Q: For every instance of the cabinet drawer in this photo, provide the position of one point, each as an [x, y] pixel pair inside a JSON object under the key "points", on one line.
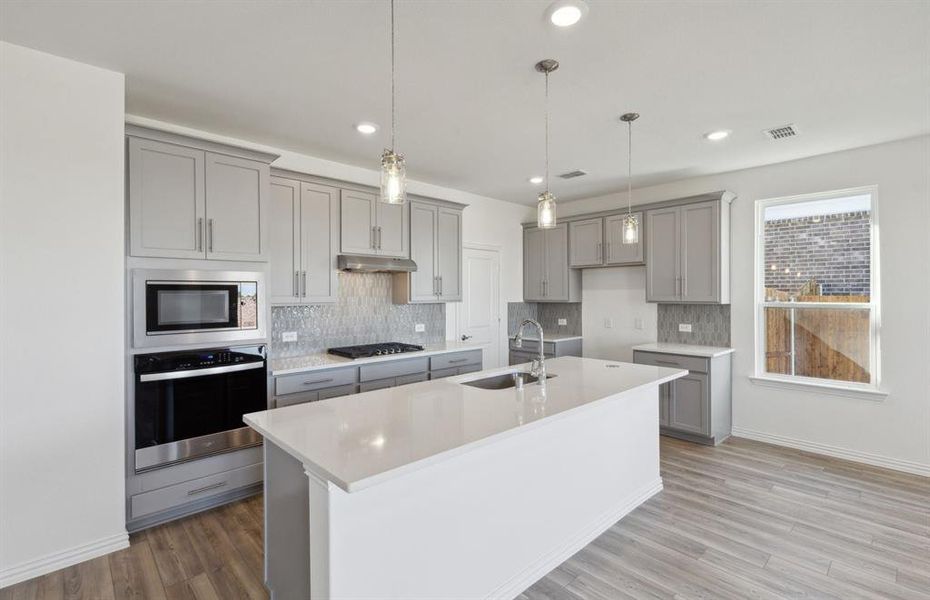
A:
{"points": [[299, 398], [335, 392], [532, 347], [441, 373], [165, 498], [469, 369], [457, 359], [518, 358], [415, 378], [674, 361], [313, 380], [379, 384], [394, 368]]}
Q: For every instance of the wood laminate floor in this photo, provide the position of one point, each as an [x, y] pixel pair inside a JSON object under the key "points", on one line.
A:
{"points": [[742, 520]]}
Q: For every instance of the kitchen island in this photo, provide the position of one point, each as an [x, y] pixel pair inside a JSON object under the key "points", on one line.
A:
{"points": [[443, 489]]}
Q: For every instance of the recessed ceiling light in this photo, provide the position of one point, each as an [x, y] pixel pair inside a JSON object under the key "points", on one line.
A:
{"points": [[716, 136], [366, 128], [566, 13], [536, 180]]}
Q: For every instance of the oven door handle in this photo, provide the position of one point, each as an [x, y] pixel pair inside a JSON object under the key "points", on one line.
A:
{"points": [[199, 372]]}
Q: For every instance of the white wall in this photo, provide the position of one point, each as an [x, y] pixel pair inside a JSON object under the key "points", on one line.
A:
{"points": [[61, 313], [616, 294], [893, 432], [485, 221]]}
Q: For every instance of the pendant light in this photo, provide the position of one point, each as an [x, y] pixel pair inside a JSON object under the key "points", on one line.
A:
{"points": [[545, 202], [630, 228], [393, 168]]}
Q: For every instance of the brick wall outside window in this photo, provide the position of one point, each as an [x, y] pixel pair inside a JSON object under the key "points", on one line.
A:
{"points": [[834, 251]]}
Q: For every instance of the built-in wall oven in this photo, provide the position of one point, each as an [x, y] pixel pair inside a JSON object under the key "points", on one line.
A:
{"points": [[190, 404], [178, 307]]}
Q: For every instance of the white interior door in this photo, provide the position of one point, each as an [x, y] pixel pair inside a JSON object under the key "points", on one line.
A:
{"points": [[479, 314]]}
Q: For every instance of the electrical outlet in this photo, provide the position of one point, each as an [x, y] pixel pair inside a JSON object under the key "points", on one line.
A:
{"points": [[684, 327], [608, 323], [563, 322], [419, 328], [638, 323], [289, 336]]}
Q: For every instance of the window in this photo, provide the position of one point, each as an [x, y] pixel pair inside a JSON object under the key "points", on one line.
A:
{"points": [[817, 289]]}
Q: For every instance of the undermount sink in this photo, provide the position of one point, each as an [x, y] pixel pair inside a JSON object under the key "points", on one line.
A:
{"points": [[505, 381]]}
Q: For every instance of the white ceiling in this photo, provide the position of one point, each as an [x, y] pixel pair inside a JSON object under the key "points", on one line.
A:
{"points": [[298, 75]]}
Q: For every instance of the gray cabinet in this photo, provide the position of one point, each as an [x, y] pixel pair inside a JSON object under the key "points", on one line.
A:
{"points": [[196, 199], [687, 253], [304, 242], [547, 276], [369, 226], [598, 242], [551, 349], [436, 248], [696, 407]]}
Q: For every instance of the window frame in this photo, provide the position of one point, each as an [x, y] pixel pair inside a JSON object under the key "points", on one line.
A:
{"points": [[761, 376]]}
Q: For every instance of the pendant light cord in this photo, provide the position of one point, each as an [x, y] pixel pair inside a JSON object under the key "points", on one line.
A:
{"points": [[547, 132], [393, 109]]}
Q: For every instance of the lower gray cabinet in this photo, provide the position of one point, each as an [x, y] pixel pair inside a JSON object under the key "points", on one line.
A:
{"points": [[551, 349], [696, 407]]}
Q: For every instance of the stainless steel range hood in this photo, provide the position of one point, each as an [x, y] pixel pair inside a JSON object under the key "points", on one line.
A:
{"points": [[374, 264]]}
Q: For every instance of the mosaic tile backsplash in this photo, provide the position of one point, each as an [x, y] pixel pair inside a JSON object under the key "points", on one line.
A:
{"points": [[710, 324], [364, 314], [548, 315]]}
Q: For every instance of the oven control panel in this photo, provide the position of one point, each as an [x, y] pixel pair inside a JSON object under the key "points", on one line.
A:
{"points": [[161, 362]]}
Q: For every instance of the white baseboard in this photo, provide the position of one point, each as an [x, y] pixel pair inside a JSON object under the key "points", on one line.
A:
{"points": [[875, 460], [519, 583], [60, 560]]}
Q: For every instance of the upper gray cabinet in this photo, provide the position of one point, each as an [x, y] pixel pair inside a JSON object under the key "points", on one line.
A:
{"points": [[304, 242], [687, 253], [547, 276], [195, 199], [598, 242], [436, 248], [369, 226]]}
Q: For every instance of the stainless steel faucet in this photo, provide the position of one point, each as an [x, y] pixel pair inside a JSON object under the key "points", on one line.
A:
{"points": [[538, 367]]}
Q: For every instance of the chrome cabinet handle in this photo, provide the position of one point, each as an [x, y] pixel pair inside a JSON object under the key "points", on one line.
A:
{"points": [[210, 236], [379, 237], [684, 286], [304, 291], [206, 488], [600, 256], [607, 254], [199, 234], [440, 285], [296, 283], [667, 362], [373, 245], [458, 360], [316, 381]]}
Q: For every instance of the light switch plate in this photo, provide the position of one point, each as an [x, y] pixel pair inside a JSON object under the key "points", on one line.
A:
{"points": [[289, 336], [608, 323], [684, 327], [563, 321], [638, 323], [419, 328]]}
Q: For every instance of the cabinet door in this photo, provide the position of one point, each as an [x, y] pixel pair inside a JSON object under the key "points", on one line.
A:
{"points": [[423, 226], [534, 261], [688, 404], [556, 288], [284, 242], [393, 223], [357, 222], [237, 196], [700, 249], [663, 252], [586, 243], [618, 253], [166, 200], [319, 218], [664, 394], [449, 246]]}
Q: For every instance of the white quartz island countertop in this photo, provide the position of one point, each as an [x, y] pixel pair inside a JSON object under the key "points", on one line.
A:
{"points": [[359, 441], [684, 349], [323, 360]]}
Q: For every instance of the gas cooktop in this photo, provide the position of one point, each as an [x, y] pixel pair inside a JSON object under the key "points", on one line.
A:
{"points": [[366, 350]]}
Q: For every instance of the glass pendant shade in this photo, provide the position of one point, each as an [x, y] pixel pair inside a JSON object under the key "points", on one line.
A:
{"points": [[393, 178], [545, 211], [630, 229]]}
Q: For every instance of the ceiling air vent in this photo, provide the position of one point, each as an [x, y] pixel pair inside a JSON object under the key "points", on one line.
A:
{"points": [[780, 133], [573, 174]]}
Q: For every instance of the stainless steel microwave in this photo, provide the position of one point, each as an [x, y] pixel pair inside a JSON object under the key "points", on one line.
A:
{"points": [[179, 308]]}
